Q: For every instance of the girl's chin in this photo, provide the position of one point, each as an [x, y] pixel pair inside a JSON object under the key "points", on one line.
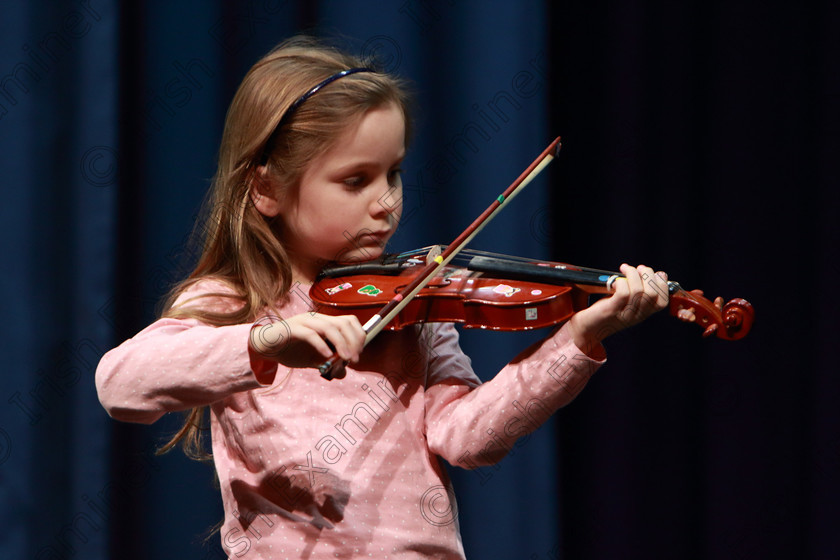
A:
{"points": [[360, 254]]}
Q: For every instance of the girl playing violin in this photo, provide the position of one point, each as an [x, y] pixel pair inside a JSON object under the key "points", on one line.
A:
{"points": [[309, 173]]}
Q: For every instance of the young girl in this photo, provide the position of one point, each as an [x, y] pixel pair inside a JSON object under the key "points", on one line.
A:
{"points": [[309, 173]]}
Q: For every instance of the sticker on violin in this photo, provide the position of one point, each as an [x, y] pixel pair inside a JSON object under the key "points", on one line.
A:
{"points": [[339, 288], [505, 290], [370, 290], [530, 313]]}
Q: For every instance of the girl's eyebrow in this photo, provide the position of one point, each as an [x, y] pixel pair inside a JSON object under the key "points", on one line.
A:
{"points": [[365, 164]]}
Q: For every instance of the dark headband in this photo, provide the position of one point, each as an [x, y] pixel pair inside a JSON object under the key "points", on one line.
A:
{"points": [[300, 100]]}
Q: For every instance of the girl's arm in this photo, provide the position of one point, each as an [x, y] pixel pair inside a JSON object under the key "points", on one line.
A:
{"points": [[470, 425], [176, 364]]}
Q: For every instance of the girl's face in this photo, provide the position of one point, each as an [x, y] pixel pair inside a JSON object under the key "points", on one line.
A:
{"points": [[350, 197]]}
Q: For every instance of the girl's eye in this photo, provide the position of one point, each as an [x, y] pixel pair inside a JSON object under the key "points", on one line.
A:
{"points": [[355, 182], [394, 176]]}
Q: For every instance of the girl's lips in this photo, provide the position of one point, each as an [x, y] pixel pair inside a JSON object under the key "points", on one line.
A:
{"points": [[377, 238]]}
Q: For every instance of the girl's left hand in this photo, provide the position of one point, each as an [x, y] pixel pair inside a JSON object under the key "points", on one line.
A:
{"points": [[641, 293]]}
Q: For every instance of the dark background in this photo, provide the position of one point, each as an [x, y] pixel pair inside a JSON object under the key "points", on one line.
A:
{"points": [[699, 137]]}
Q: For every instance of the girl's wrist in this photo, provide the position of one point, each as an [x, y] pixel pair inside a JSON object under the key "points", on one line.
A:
{"points": [[585, 337]]}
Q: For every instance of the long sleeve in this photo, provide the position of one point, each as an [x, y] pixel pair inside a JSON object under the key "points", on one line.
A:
{"points": [[176, 364], [471, 424]]}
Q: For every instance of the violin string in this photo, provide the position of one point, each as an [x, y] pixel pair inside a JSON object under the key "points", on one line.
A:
{"points": [[467, 254]]}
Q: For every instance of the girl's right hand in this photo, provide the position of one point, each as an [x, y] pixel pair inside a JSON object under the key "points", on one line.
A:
{"points": [[306, 340]]}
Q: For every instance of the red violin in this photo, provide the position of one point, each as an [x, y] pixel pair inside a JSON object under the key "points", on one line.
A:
{"points": [[490, 291], [497, 292]]}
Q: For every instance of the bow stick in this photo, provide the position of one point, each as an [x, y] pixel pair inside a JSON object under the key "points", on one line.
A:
{"points": [[376, 323]]}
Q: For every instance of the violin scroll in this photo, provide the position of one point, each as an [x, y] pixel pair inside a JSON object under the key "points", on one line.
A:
{"points": [[729, 322]]}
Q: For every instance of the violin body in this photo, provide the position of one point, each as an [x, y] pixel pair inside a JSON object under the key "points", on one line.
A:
{"points": [[498, 293], [457, 295]]}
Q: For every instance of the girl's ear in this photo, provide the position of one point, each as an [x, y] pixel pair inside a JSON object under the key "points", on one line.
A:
{"points": [[264, 193]]}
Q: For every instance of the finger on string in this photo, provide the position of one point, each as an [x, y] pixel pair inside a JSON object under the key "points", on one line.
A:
{"points": [[634, 278], [654, 297], [660, 284]]}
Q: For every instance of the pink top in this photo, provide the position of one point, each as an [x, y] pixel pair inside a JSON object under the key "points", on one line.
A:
{"points": [[311, 468]]}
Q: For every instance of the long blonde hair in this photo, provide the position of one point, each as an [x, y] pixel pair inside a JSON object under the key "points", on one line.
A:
{"points": [[240, 247]]}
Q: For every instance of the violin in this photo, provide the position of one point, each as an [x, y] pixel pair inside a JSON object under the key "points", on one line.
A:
{"points": [[498, 292], [408, 290]]}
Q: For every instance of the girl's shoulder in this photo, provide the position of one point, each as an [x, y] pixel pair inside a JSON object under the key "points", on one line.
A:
{"points": [[208, 294]]}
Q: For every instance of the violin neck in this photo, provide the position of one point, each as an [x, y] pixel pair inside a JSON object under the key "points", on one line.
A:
{"points": [[599, 281], [517, 270]]}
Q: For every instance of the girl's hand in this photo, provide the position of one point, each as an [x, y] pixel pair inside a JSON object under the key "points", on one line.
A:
{"points": [[688, 315], [306, 340], [640, 294]]}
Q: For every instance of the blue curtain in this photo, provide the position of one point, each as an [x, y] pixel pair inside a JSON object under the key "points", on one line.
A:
{"points": [[699, 138], [58, 131]]}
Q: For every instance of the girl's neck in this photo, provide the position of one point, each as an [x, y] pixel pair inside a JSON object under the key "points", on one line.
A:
{"points": [[304, 272]]}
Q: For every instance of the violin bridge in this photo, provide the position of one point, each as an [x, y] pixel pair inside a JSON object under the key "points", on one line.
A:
{"points": [[434, 252]]}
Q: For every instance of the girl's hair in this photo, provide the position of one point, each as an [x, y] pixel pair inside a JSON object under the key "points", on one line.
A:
{"points": [[241, 248]]}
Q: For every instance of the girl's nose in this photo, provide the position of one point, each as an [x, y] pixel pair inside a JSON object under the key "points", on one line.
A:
{"points": [[388, 201]]}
